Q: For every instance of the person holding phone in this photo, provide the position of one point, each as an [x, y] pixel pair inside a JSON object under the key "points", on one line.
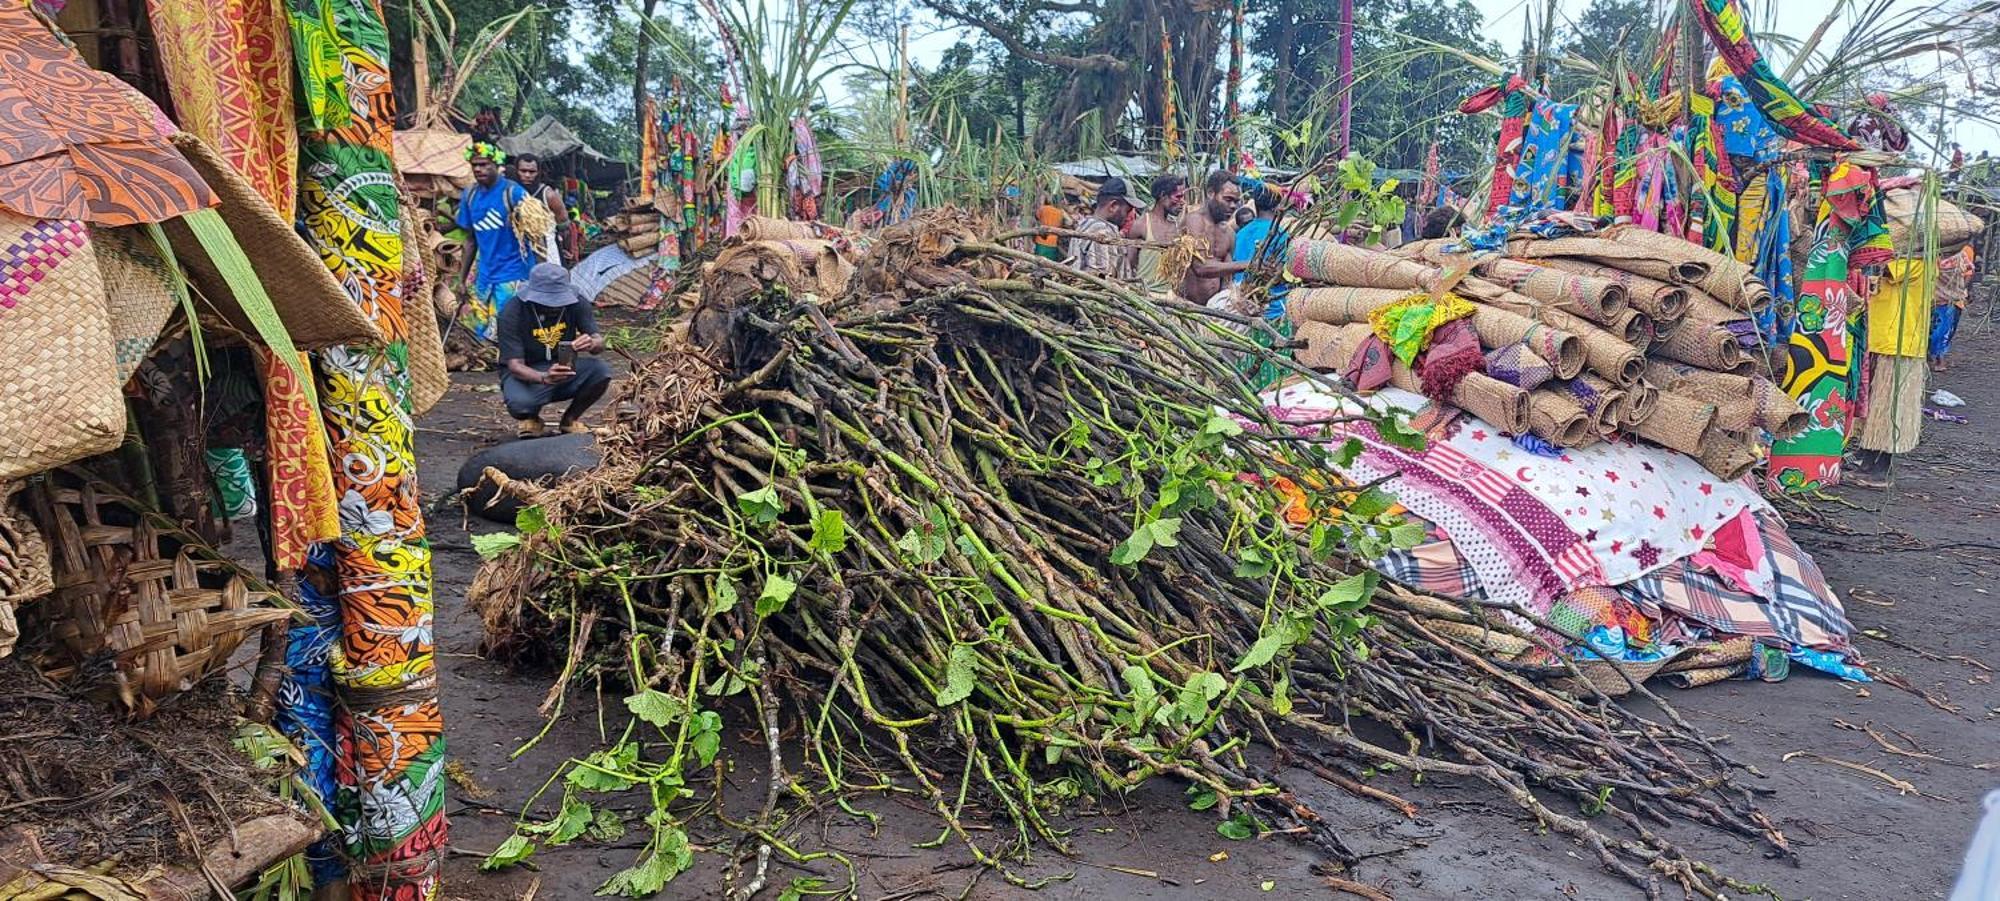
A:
{"points": [[548, 353]]}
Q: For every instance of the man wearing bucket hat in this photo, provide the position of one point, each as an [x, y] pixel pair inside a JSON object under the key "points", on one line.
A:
{"points": [[548, 346]]}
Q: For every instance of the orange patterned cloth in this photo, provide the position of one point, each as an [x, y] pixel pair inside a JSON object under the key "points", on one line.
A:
{"points": [[304, 508], [76, 143], [229, 66]]}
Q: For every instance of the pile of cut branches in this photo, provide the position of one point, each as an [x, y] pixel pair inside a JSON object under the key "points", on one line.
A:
{"points": [[989, 529]]}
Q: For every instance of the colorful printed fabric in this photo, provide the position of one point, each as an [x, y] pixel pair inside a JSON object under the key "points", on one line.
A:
{"points": [[1801, 610], [1407, 324], [1774, 261], [305, 701], [1712, 217], [482, 311], [77, 143], [324, 103], [1452, 355], [231, 77], [1369, 369], [303, 506], [1536, 528], [1539, 177], [1745, 130], [1514, 101], [1818, 366], [1736, 553], [1727, 28], [390, 739], [1435, 567]]}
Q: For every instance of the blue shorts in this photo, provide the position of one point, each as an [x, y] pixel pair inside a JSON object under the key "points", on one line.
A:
{"points": [[525, 400]]}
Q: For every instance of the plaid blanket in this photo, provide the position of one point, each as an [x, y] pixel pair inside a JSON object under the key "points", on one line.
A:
{"points": [[1802, 610]]}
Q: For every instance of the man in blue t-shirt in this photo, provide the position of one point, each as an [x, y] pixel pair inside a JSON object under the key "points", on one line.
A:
{"points": [[487, 211], [1260, 242]]}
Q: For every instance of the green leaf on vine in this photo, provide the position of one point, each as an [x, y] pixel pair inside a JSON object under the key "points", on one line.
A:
{"points": [[515, 849], [493, 545], [960, 673], [761, 506], [656, 707], [829, 532], [777, 591]]}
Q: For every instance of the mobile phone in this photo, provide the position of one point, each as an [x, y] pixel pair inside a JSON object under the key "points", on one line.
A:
{"points": [[566, 354]]}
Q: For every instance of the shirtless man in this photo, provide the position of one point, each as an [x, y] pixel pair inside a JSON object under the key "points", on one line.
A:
{"points": [[1161, 224], [1215, 224]]}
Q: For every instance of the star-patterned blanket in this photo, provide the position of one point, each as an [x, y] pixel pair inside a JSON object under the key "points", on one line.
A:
{"points": [[1532, 527]]}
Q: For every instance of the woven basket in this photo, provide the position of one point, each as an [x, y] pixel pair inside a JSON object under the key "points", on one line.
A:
{"points": [[316, 310], [138, 291], [429, 378], [137, 623], [60, 401]]}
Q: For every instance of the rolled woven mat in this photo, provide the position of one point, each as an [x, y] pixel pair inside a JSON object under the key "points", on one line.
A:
{"points": [[1730, 458], [1728, 279], [1329, 347], [1633, 326], [1728, 652], [1557, 418], [1704, 310], [1486, 640], [1629, 257], [1498, 328], [1734, 396], [1640, 401], [766, 228], [1705, 346], [1678, 422], [1502, 405], [821, 263], [1604, 401], [1606, 354], [1331, 263], [1696, 678], [1664, 301], [1339, 306], [1519, 366], [1599, 300], [1777, 412], [1321, 350]]}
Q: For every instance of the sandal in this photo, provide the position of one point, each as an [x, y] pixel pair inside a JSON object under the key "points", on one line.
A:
{"points": [[529, 428], [574, 427]]}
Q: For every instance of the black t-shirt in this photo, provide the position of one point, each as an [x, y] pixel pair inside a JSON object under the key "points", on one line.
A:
{"points": [[529, 331]]}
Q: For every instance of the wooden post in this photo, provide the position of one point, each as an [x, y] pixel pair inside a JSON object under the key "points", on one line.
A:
{"points": [[903, 86]]}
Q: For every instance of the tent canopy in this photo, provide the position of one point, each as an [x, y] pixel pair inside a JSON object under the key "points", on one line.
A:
{"points": [[550, 140]]}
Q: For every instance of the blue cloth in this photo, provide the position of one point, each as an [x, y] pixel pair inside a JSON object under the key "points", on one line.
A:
{"points": [[1944, 325], [305, 704], [1545, 150], [1255, 240], [489, 214], [1774, 267], [1745, 130]]}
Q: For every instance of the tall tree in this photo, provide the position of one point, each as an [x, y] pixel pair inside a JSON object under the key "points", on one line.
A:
{"points": [[1407, 83], [1109, 51]]}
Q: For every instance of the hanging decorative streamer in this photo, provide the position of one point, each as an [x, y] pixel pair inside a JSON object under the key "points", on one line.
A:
{"points": [[1233, 86], [1170, 136], [1818, 364], [389, 733]]}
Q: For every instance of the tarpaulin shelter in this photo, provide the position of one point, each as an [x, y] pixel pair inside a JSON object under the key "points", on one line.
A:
{"points": [[563, 152]]}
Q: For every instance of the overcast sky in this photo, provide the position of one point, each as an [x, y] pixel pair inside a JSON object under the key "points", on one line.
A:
{"points": [[1507, 20]]}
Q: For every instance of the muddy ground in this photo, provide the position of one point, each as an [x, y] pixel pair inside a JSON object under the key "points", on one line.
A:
{"points": [[1914, 564]]}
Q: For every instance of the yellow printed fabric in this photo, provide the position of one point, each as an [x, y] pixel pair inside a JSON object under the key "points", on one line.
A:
{"points": [[1899, 314], [1406, 325]]}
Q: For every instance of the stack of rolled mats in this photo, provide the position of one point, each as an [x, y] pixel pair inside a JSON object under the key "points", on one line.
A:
{"points": [[1572, 340]]}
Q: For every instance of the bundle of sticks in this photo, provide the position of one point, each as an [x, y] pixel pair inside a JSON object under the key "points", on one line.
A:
{"points": [[1626, 331]]}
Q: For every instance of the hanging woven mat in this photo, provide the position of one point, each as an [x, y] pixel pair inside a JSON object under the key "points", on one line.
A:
{"points": [[136, 610]]}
